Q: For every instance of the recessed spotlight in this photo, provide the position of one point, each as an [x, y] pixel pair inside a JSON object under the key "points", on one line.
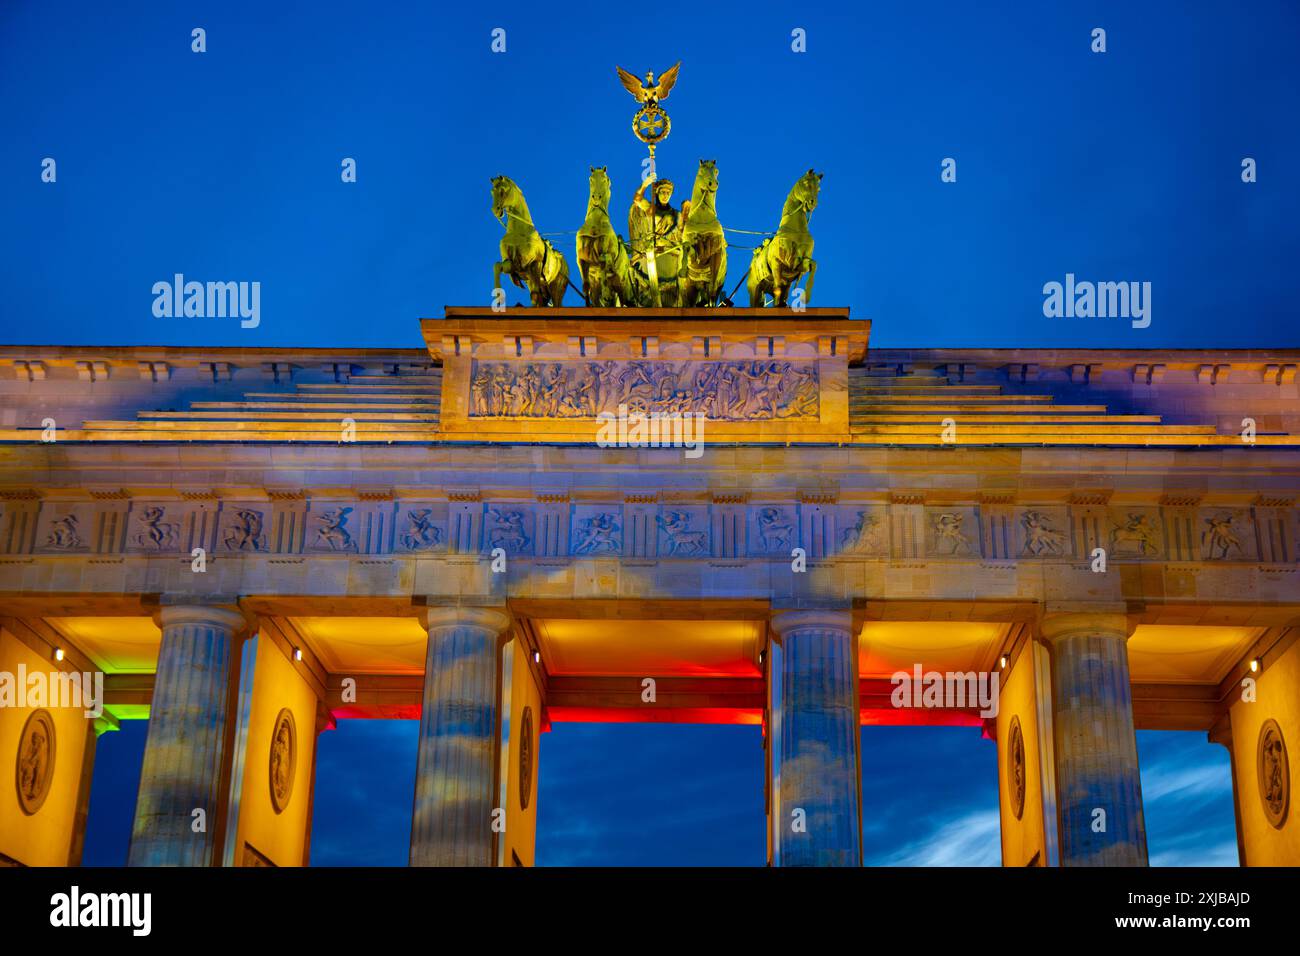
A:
{"points": [[1254, 665], [1002, 662], [297, 653], [537, 657], [58, 653]]}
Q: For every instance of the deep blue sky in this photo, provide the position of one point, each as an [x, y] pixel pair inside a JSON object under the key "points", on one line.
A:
{"points": [[686, 795], [225, 166]]}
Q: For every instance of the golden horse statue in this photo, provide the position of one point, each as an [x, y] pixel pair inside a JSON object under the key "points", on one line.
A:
{"points": [[703, 267], [607, 276], [782, 260], [526, 257]]}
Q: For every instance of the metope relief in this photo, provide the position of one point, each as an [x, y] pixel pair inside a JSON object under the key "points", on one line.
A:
{"points": [[1135, 533], [330, 530], [776, 530], [1043, 534], [151, 530], [680, 535], [1227, 534], [737, 391], [598, 532], [952, 532], [865, 532], [243, 528], [421, 528], [63, 532], [508, 529]]}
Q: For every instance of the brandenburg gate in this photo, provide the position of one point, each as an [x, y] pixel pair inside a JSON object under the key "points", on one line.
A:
{"points": [[253, 544], [654, 507]]}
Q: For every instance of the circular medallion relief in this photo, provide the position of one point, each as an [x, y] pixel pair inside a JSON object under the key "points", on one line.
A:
{"points": [[1274, 773], [35, 767], [526, 758], [284, 753], [1016, 767]]}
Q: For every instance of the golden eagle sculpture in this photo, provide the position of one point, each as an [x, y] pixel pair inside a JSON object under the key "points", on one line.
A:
{"points": [[647, 92]]}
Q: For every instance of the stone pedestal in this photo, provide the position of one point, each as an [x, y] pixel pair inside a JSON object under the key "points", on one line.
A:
{"points": [[1099, 794], [815, 787], [185, 753], [454, 794]]}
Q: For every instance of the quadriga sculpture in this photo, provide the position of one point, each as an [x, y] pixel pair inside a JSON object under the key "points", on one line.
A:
{"points": [[704, 263], [526, 257], [781, 261]]}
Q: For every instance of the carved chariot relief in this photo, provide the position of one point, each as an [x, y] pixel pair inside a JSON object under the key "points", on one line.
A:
{"points": [[720, 391], [35, 765], [282, 760], [1274, 772]]}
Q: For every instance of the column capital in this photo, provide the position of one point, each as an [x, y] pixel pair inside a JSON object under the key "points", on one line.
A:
{"points": [[495, 620], [1061, 620], [831, 619], [226, 616]]}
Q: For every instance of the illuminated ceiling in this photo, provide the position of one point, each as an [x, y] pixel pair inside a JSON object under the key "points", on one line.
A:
{"points": [[1158, 653], [365, 645], [659, 648], [887, 647], [1163, 653], [116, 645]]}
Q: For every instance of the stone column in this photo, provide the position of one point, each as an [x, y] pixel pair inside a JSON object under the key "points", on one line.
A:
{"points": [[451, 824], [816, 798], [185, 752], [1099, 794]]}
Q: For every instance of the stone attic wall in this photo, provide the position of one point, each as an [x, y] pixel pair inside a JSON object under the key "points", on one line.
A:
{"points": [[76, 385], [1184, 387]]}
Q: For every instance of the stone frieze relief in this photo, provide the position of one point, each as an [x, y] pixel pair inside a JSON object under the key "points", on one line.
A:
{"points": [[737, 391], [1211, 535]]}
